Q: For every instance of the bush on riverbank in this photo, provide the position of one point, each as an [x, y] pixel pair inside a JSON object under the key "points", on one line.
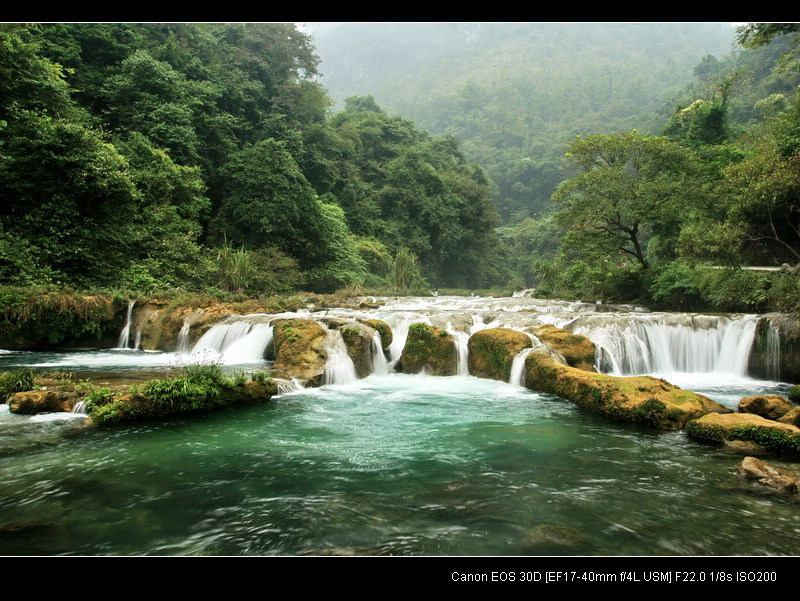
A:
{"points": [[198, 388]]}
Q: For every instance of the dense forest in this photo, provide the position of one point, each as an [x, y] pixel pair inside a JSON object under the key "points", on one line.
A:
{"points": [[147, 158]]}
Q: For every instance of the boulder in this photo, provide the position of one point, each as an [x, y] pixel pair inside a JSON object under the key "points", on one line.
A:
{"points": [[300, 350], [720, 429], [791, 417], [492, 352], [771, 406], [577, 350], [33, 402], [357, 338], [383, 329], [429, 349], [640, 399], [768, 477]]}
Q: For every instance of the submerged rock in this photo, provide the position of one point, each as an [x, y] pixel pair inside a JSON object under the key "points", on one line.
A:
{"points": [[769, 477], [547, 539], [641, 399]]}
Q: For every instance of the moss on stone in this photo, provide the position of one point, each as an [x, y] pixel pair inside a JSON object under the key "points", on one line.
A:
{"points": [[723, 428], [429, 349], [577, 350], [640, 399], [492, 352], [299, 349]]}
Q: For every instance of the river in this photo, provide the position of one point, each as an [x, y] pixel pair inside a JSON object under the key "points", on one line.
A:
{"points": [[398, 464]]}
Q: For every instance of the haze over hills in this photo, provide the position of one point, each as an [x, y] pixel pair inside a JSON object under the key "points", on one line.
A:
{"points": [[518, 91]]}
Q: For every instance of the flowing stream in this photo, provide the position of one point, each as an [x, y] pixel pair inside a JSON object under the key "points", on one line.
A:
{"points": [[397, 464]]}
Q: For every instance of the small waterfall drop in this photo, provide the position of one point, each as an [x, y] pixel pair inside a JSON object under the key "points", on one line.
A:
{"points": [[462, 350], [773, 355], [125, 334], [80, 408], [517, 376], [183, 338], [380, 366], [339, 368], [236, 342]]}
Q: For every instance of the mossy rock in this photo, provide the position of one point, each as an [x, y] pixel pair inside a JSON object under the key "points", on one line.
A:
{"points": [[383, 329], [791, 417], [577, 350], [300, 350], [639, 399], [720, 429], [770, 406], [429, 349], [357, 338], [492, 352], [33, 402]]}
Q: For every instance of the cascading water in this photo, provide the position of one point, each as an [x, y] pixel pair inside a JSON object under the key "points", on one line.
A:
{"points": [[183, 338], [380, 366], [665, 344], [773, 355], [339, 368], [235, 342], [125, 334], [462, 350], [517, 377]]}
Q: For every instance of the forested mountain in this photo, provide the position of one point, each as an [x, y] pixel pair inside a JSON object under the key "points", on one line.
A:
{"points": [[612, 161], [514, 94], [152, 156]]}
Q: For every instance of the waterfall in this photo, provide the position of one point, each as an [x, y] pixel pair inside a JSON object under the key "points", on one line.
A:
{"points": [[659, 344], [399, 325], [236, 342], [380, 366], [183, 338], [773, 354], [517, 377], [125, 334], [462, 350], [339, 368], [80, 408]]}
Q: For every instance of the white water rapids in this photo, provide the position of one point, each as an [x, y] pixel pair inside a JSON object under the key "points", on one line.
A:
{"points": [[629, 340], [690, 350]]}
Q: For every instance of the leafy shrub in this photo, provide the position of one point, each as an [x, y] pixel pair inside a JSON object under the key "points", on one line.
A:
{"points": [[15, 381], [200, 386]]}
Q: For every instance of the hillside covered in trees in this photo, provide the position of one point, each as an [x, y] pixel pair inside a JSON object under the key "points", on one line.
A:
{"points": [[588, 160], [148, 157]]}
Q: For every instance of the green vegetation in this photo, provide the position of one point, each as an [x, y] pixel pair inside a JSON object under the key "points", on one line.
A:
{"points": [[195, 389], [206, 158], [153, 157], [15, 381]]}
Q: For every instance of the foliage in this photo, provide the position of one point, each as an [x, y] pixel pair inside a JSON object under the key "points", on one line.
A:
{"points": [[629, 189], [235, 268], [43, 317], [405, 272], [15, 381]]}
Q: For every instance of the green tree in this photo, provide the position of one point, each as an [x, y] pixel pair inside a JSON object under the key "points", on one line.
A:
{"points": [[267, 201], [69, 194], [628, 190]]}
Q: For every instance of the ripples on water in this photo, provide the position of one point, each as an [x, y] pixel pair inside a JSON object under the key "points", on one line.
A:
{"points": [[391, 465]]}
